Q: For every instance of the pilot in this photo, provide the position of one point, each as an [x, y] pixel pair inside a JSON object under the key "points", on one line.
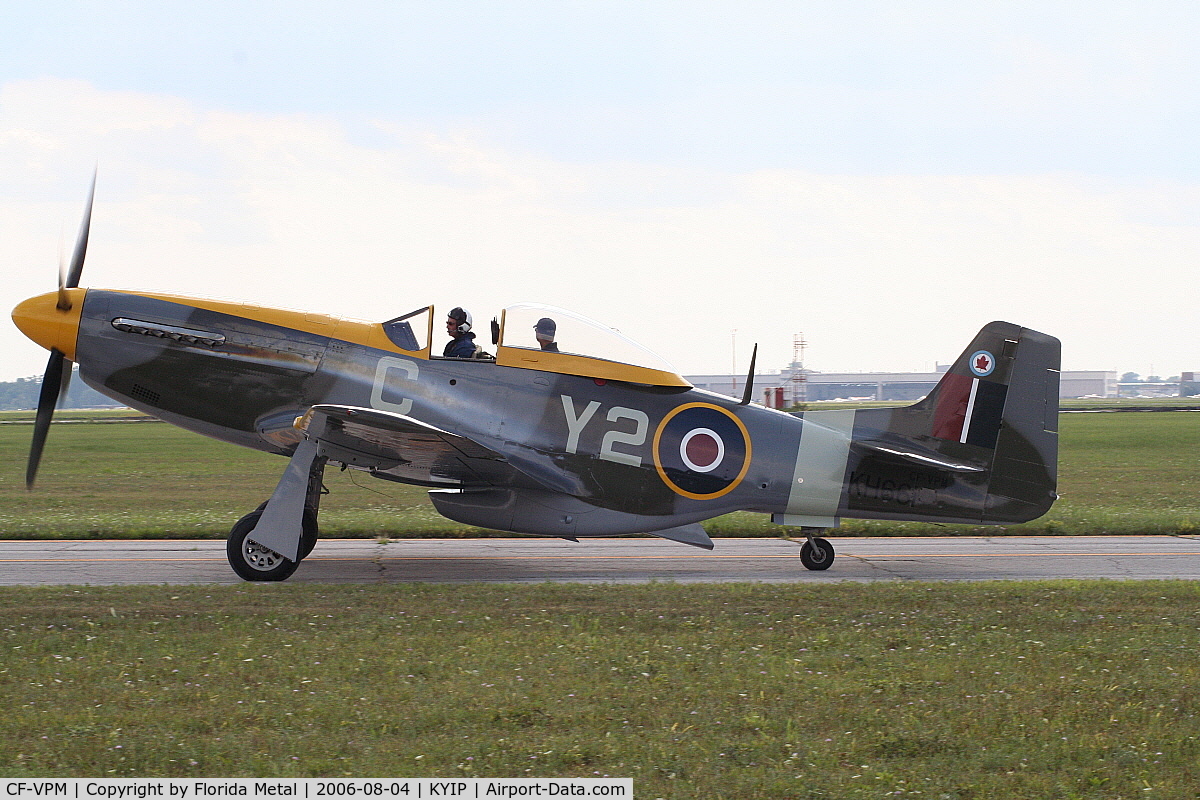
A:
{"points": [[462, 340], [544, 331]]}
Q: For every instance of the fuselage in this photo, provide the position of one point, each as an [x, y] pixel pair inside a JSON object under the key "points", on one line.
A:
{"points": [[631, 440]]}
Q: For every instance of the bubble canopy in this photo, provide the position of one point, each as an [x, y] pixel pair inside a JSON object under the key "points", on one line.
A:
{"points": [[538, 336]]}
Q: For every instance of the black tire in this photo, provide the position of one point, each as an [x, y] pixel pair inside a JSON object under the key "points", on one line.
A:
{"points": [[816, 554], [253, 562], [308, 536]]}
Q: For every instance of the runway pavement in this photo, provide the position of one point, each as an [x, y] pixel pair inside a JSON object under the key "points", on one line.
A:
{"points": [[527, 560]]}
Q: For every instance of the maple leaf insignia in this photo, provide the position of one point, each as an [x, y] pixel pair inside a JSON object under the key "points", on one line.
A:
{"points": [[982, 363]]}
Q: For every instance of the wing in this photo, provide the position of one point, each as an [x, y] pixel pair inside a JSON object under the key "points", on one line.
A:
{"points": [[404, 449]]}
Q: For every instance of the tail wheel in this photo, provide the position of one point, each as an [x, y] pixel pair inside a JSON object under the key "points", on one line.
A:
{"points": [[253, 562], [816, 553]]}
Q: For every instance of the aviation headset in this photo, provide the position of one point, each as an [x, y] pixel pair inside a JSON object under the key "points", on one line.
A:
{"points": [[462, 318]]}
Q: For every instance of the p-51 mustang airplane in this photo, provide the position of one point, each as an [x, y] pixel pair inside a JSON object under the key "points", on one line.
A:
{"points": [[593, 438]]}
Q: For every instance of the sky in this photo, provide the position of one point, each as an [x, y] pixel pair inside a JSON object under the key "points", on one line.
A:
{"points": [[883, 178]]}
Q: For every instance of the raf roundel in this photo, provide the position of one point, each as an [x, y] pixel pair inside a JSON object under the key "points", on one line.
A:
{"points": [[982, 363], [701, 451]]}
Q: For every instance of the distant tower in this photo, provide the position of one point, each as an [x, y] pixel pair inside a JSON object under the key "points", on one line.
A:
{"points": [[799, 379]]}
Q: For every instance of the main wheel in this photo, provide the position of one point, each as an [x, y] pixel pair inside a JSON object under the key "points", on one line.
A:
{"points": [[816, 553], [253, 562]]}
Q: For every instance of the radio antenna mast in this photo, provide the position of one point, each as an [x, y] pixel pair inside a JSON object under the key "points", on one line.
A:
{"points": [[799, 378]]}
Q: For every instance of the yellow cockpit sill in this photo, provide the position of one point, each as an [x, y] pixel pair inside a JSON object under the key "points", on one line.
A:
{"points": [[584, 366]]}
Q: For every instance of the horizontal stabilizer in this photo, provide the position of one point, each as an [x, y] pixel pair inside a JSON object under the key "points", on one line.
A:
{"points": [[921, 456]]}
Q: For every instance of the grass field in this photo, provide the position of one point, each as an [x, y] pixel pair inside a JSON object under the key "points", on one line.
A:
{"points": [[1061, 689], [1030, 690], [1124, 473]]}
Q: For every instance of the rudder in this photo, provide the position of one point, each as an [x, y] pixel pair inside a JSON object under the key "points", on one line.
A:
{"points": [[1025, 468]]}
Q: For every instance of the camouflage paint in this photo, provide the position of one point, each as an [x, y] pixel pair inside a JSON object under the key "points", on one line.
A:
{"points": [[532, 447]]}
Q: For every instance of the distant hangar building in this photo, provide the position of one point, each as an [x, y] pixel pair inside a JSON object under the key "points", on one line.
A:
{"points": [[786, 388]]}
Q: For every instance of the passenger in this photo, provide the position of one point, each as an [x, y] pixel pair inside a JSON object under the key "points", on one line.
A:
{"points": [[462, 340], [544, 331]]}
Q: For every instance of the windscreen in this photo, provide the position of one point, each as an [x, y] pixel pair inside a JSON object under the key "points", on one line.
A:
{"points": [[411, 331]]}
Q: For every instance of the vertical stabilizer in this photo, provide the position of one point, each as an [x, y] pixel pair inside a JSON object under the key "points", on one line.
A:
{"points": [[982, 447]]}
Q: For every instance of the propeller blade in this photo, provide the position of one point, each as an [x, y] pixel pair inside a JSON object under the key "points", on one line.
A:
{"points": [[52, 388], [76, 268], [64, 303], [68, 367], [57, 379]]}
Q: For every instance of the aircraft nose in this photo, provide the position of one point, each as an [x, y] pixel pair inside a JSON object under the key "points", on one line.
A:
{"points": [[44, 322]]}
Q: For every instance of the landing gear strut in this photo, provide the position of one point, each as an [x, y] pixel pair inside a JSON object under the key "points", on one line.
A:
{"points": [[269, 543], [816, 553]]}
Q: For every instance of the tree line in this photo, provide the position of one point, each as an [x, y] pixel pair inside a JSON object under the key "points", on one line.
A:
{"points": [[23, 393]]}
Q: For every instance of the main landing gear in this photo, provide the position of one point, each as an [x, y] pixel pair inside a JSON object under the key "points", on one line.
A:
{"points": [[254, 562], [269, 543], [816, 553]]}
